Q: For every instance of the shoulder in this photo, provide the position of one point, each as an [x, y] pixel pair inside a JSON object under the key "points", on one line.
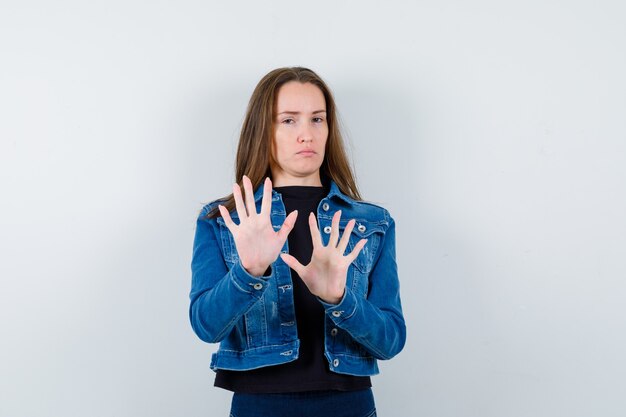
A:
{"points": [[372, 213], [373, 207], [209, 207]]}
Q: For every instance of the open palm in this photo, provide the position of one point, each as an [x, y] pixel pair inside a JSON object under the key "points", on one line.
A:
{"points": [[258, 244], [325, 276]]}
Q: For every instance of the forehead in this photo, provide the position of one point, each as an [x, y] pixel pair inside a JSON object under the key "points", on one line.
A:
{"points": [[297, 96]]}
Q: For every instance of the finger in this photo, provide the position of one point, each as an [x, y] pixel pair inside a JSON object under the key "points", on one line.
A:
{"points": [[249, 196], [266, 203], [293, 263], [227, 219], [334, 230], [343, 243], [241, 208], [287, 226], [357, 249], [315, 232]]}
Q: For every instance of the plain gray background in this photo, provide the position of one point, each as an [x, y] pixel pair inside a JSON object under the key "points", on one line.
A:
{"points": [[494, 132]]}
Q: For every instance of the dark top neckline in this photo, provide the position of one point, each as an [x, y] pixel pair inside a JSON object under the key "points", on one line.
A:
{"points": [[302, 192]]}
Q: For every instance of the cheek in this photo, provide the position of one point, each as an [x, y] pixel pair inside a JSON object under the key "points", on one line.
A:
{"points": [[324, 137], [324, 133], [279, 145]]}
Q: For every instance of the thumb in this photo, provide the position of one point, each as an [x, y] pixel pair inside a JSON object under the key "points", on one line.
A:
{"points": [[287, 226], [293, 263]]}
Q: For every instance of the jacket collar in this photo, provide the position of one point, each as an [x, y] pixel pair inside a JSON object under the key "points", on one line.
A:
{"points": [[334, 192]]}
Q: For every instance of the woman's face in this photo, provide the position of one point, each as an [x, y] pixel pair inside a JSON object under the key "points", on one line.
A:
{"points": [[300, 134]]}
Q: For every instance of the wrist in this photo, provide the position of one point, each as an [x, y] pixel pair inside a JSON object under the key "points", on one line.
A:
{"points": [[333, 299], [256, 271]]}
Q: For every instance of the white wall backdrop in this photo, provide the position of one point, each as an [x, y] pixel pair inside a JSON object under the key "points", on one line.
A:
{"points": [[494, 132]]}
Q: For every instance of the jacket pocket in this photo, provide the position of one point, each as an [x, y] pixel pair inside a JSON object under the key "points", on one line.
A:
{"points": [[374, 233], [256, 325], [229, 249]]}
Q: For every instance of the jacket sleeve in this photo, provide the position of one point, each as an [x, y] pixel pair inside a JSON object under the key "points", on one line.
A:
{"points": [[219, 297], [376, 322]]}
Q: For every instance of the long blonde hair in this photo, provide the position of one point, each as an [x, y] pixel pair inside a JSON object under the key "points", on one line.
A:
{"points": [[254, 151]]}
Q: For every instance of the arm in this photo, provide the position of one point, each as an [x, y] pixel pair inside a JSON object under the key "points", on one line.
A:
{"points": [[377, 322], [219, 297]]}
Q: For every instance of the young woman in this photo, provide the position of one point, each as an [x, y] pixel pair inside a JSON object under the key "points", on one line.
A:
{"points": [[295, 276]]}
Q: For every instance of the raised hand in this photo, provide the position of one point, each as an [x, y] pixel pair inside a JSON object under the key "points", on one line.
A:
{"points": [[325, 276], [258, 245]]}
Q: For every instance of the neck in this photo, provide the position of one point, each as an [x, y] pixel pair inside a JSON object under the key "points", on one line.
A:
{"points": [[286, 181]]}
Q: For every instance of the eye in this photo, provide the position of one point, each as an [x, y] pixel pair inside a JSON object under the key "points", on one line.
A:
{"points": [[288, 121], [318, 119]]}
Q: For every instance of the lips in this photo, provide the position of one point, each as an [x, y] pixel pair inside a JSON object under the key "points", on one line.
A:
{"points": [[307, 152]]}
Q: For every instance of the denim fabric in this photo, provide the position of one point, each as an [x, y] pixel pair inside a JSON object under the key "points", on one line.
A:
{"points": [[305, 404], [253, 317]]}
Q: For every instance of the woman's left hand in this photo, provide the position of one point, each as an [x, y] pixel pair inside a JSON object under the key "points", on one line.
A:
{"points": [[325, 275]]}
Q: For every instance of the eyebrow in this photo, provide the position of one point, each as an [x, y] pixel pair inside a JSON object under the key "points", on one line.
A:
{"points": [[297, 112]]}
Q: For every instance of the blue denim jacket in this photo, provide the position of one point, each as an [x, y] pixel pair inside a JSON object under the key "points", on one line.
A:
{"points": [[253, 317]]}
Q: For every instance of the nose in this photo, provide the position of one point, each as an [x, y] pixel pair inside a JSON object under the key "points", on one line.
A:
{"points": [[305, 134]]}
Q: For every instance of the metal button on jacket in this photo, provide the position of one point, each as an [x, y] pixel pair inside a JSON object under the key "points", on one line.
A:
{"points": [[336, 313], [258, 286], [333, 332], [325, 206], [327, 229], [336, 363], [361, 228]]}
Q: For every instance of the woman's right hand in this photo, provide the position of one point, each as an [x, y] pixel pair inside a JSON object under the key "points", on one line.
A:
{"points": [[258, 245]]}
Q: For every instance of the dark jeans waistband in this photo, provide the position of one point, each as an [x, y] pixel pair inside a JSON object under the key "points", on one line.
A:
{"points": [[304, 404]]}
